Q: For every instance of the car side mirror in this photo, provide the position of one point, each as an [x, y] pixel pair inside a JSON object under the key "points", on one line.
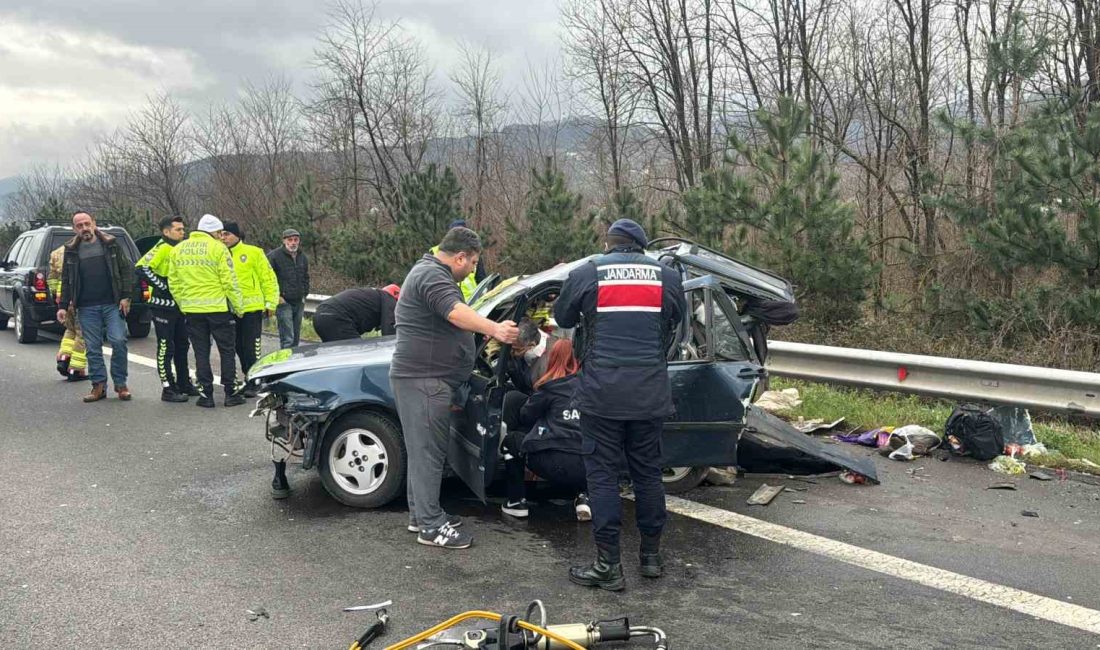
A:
{"points": [[6, 265]]}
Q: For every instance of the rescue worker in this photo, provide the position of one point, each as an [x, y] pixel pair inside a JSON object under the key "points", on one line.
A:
{"points": [[354, 312], [168, 321], [628, 304], [72, 361], [259, 290], [200, 274], [469, 283]]}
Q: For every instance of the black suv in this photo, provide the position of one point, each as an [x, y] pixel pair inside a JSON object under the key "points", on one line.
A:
{"points": [[25, 295]]}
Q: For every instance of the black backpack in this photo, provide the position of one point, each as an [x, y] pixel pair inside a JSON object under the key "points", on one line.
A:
{"points": [[971, 431]]}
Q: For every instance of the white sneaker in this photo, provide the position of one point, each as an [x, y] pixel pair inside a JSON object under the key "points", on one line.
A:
{"points": [[584, 511], [454, 521], [515, 508], [445, 537]]}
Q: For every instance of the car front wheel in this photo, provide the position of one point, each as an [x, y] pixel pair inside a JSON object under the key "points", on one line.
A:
{"points": [[363, 460], [25, 330], [681, 479]]}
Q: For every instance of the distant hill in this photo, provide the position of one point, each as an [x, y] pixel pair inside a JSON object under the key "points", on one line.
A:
{"points": [[8, 186]]}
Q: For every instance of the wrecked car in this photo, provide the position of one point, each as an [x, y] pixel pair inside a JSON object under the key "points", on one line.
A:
{"points": [[331, 403]]}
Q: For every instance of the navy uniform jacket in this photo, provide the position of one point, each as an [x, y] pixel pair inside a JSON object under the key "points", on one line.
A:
{"points": [[628, 304]]}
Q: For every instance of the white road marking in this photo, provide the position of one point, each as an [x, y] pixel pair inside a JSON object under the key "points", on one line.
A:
{"points": [[147, 362], [1017, 600]]}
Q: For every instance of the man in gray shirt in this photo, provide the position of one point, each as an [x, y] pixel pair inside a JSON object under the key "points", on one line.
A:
{"points": [[434, 356]]}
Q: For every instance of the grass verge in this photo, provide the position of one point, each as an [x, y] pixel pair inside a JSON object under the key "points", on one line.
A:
{"points": [[869, 410]]}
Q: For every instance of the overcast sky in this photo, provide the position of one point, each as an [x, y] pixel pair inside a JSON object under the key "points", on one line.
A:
{"points": [[70, 69]]}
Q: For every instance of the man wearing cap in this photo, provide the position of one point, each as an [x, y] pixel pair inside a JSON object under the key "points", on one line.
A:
{"points": [[629, 305], [469, 283], [259, 290], [204, 285], [168, 321], [292, 270], [354, 312]]}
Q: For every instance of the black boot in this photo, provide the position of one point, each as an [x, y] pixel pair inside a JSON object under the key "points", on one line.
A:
{"points": [[169, 394], [602, 573], [280, 488], [206, 397], [187, 388], [234, 395], [652, 565]]}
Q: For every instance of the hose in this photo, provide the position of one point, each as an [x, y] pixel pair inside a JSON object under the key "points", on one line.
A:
{"points": [[659, 636], [492, 616]]}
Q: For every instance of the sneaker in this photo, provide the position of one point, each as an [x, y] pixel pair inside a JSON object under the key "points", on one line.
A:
{"points": [[188, 388], [445, 536], [515, 508], [454, 521], [234, 399], [169, 394], [584, 511], [250, 392], [205, 401]]}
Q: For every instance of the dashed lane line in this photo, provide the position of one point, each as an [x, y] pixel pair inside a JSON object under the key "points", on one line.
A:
{"points": [[1016, 600]]}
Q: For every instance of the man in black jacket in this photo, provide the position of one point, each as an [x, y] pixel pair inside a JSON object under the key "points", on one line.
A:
{"points": [[353, 312], [98, 281], [292, 269]]}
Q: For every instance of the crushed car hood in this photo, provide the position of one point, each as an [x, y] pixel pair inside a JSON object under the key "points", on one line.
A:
{"points": [[356, 352], [770, 445]]}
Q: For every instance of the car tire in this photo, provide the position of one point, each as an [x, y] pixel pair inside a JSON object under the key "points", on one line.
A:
{"points": [[25, 329], [363, 461], [678, 480], [138, 329]]}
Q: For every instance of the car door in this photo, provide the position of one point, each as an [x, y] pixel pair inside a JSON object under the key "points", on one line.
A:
{"points": [[9, 274], [712, 381]]}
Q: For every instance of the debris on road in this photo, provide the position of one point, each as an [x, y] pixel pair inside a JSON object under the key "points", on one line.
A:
{"points": [[765, 494], [1002, 486], [721, 476], [815, 426], [1008, 465], [1029, 513], [770, 445], [777, 401], [799, 501], [1015, 424], [256, 613], [367, 608], [1040, 475], [852, 478], [911, 441], [873, 438]]}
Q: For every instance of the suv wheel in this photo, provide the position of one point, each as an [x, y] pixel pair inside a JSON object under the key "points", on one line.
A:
{"points": [[363, 460], [25, 329]]}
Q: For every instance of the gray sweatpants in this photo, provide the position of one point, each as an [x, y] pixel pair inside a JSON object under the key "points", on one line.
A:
{"points": [[424, 406]]}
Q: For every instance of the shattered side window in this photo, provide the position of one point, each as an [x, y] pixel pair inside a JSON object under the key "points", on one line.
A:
{"points": [[727, 344]]}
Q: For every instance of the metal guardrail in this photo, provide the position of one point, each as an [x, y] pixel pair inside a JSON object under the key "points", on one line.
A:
{"points": [[1047, 389]]}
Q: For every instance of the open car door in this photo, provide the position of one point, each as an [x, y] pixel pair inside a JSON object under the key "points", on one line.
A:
{"points": [[713, 380]]}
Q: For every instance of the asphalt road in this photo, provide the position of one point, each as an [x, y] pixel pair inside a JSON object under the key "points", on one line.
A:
{"points": [[150, 525]]}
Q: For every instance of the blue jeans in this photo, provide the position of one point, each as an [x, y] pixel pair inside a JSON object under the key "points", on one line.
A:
{"points": [[289, 317], [99, 322]]}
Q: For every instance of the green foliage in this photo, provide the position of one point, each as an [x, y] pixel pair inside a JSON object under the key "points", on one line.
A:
{"points": [[369, 252], [1041, 214], [307, 212], [54, 210], [784, 193], [554, 230], [9, 232], [138, 223]]}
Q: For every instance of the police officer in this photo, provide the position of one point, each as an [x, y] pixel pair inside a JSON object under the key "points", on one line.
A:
{"points": [[170, 325], [628, 305], [259, 290], [204, 285]]}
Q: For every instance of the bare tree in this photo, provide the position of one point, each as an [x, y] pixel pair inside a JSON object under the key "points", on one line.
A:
{"points": [[44, 189], [481, 107]]}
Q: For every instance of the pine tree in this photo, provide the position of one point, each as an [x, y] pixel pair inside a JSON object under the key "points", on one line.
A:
{"points": [[554, 230], [307, 212], [785, 191]]}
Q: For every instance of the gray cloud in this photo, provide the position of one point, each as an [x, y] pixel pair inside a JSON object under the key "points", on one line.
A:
{"points": [[77, 67]]}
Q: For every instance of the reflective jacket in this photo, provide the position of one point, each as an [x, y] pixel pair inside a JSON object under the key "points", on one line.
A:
{"points": [[153, 268], [259, 286], [201, 276], [469, 283], [629, 304]]}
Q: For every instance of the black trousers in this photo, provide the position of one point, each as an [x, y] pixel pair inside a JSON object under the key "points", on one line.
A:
{"points": [[221, 327], [331, 327], [250, 328], [172, 346], [605, 444]]}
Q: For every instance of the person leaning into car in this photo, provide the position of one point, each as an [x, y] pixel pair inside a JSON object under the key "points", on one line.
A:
{"points": [[628, 303], [434, 356], [97, 280]]}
